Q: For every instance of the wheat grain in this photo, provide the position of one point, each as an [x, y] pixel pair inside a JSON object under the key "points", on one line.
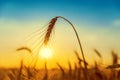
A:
{"points": [[49, 30]]}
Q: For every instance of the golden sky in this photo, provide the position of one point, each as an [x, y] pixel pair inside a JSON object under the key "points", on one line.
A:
{"points": [[98, 27]]}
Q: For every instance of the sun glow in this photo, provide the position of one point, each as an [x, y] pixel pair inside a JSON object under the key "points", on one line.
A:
{"points": [[46, 53]]}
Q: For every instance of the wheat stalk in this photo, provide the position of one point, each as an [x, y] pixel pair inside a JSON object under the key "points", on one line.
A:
{"points": [[49, 31], [70, 69], [46, 72], [20, 71]]}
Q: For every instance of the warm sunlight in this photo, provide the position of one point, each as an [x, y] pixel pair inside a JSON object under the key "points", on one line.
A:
{"points": [[46, 53]]}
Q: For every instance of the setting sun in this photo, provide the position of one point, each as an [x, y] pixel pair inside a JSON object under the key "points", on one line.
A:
{"points": [[46, 53]]}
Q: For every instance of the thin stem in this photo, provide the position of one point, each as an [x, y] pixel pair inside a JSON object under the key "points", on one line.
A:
{"points": [[80, 45]]}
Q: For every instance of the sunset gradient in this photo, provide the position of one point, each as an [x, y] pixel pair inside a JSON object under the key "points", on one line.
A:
{"points": [[97, 23]]}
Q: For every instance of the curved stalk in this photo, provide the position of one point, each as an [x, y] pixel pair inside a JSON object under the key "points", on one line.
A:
{"points": [[80, 45], [49, 30]]}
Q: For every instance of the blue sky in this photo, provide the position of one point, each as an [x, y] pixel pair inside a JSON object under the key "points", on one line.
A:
{"points": [[90, 11], [97, 23]]}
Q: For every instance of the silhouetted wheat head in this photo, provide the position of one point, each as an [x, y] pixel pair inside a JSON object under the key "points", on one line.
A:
{"points": [[24, 48], [98, 53], [113, 66], [78, 57], [115, 57], [61, 69], [49, 30]]}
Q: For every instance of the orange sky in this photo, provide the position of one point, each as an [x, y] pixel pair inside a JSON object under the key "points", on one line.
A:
{"points": [[97, 23], [63, 43]]}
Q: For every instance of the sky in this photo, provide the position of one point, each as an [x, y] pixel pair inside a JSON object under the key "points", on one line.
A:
{"points": [[97, 23]]}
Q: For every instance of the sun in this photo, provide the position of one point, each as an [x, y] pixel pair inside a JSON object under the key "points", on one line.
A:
{"points": [[46, 53]]}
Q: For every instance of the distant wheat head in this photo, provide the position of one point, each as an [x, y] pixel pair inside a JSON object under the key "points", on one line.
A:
{"points": [[24, 48], [98, 53], [113, 66]]}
